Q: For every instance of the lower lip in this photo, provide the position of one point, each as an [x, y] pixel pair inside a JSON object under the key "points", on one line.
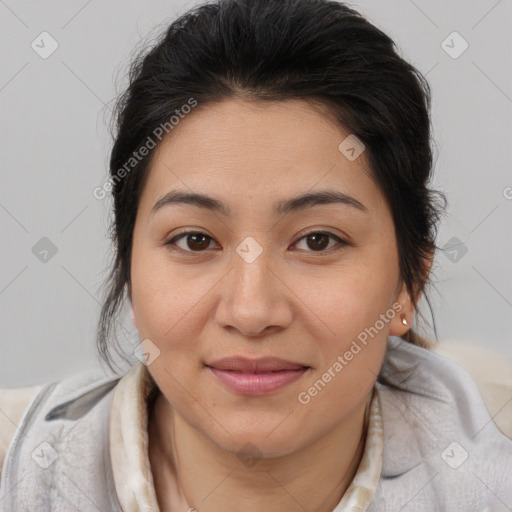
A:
{"points": [[257, 383]]}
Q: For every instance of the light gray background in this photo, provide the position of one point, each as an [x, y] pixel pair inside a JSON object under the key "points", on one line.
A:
{"points": [[55, 146]]}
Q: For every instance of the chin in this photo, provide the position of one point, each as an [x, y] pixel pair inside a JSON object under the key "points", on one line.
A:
{"points": [[257, 443]]}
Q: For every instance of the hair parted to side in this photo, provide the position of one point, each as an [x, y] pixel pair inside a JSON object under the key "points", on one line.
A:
{"points": [[317, 50]]}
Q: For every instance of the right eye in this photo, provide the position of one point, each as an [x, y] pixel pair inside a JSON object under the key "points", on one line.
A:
{"points": [[195, 240]]}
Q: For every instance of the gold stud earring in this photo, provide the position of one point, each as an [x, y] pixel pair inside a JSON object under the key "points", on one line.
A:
{"points": [[404, 320]]}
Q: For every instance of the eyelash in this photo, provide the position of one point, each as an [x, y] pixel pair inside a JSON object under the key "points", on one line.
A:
{"points": [[170, 243]]}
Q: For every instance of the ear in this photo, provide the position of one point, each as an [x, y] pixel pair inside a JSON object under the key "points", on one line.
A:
{"points": [[405, 306]]}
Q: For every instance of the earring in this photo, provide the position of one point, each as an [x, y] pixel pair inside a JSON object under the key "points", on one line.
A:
{"points": [[404, 320]]}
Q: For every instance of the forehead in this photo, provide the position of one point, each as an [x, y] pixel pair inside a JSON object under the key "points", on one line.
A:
{"points": [[258, 153]]}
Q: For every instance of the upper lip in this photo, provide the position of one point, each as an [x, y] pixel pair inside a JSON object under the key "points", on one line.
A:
{"points": [[264, 364]]}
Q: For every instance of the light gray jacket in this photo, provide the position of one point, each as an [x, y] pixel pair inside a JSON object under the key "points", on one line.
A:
{"points": [[442, 449]]}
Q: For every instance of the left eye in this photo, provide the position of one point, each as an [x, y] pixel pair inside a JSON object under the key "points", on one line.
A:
{"points": [[198, 242], [320, 239]]}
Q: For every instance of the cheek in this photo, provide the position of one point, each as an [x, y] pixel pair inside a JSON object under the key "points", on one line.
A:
{"points": [[162, 296], [356, 306], [336, 390], [354, 297]]}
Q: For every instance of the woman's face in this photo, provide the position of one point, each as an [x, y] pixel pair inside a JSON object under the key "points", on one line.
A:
{"points": [[258, 283]]}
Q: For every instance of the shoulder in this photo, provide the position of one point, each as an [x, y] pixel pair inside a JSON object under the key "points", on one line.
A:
{"points": [[70, 398], [66, 421], [13, 404], [438, 430], [458, 369]]}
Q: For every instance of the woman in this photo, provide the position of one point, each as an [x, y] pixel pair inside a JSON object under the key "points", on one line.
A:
{"points": [[278, 372]]}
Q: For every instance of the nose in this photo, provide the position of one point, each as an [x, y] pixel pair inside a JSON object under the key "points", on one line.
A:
{"points": [[254, 300]]}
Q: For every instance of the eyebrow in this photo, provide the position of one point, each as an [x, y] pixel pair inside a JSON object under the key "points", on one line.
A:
{"points": [[300, 202]]}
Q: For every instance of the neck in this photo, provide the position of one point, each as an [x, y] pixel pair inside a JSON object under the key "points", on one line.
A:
{"points": [[210, 479]]}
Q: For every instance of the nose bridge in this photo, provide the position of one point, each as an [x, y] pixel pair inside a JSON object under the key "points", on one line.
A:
{"points": [[251, 301], [251, 271]]}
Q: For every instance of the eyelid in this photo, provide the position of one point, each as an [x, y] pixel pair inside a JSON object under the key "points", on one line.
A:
{"points": [[326, 231]]}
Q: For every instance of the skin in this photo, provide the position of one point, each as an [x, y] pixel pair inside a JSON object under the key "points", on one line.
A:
{"points": [[294, 301]]}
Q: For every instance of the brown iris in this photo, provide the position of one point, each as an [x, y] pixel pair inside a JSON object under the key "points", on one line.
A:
{"points": [[318, 241], [198, 241]]}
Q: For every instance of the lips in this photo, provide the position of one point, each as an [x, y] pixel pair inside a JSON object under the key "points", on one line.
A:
{"points": [[263, 365], [256, 376]]}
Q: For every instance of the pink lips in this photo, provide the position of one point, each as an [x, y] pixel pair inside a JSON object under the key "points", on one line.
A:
{"points": [[257, 376]]}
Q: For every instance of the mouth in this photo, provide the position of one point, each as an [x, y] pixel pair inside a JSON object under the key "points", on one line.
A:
{"points": [[256, 377]]}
